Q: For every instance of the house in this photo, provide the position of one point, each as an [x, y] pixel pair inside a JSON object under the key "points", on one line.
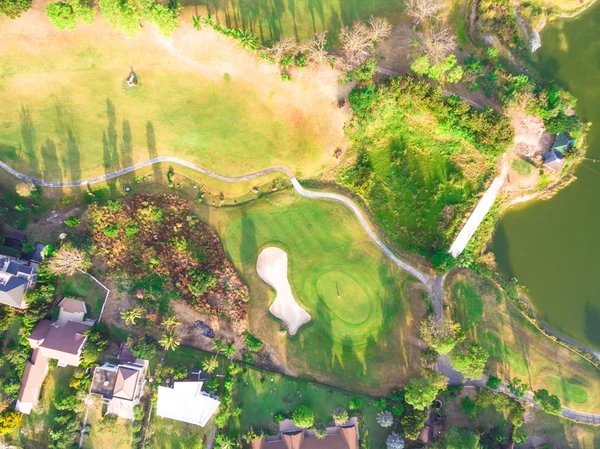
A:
{"points": [[63, 343], [120, 386], [554, 159], [71, 310], [185, 401], [16, 277], [292, 437]]}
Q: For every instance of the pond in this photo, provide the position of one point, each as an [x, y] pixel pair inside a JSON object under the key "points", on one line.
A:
{"points": [[553, 247]]}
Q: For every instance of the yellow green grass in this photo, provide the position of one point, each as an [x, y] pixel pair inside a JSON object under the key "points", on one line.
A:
{"points": [[363, 307], [104, 435], [82, 287], [516, 348]]}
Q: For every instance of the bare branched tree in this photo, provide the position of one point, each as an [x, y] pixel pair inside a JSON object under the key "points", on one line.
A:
{"points": [[316, 49], [284, 47], [68, 260], [381, 29], [422, 10], [438, 42]]}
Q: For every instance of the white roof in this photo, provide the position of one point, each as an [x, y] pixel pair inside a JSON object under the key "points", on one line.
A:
{"points": [[185, 402]]}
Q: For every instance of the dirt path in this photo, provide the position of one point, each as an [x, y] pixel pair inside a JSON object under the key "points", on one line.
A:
{"points": [[422, 277]]}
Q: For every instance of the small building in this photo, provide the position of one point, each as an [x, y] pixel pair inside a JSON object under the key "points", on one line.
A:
{"points": [[71, 310], [120, 386], [16, 277], [63, 343], [186, 402], [554, 158], [292, 437]]}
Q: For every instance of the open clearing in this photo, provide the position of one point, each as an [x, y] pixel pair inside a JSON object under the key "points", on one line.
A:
{"points": [[363, 309], [516, 348], [272, 267], [67, 113]]}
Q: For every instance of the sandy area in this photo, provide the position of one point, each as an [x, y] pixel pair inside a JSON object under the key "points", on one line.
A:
{"points": [[272, 267]]}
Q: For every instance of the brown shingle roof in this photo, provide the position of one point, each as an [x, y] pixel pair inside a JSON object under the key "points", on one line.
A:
{"points": [[33, 378], [126, 383], [64, 343], [72, 305], [40, 331]]}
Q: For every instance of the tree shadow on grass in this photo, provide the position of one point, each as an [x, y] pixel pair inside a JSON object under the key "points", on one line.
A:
{"points": [[51, 167], [28, 137], [152, 151], [111, 138]]}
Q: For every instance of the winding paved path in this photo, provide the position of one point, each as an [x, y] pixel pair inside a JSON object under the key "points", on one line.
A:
{"points": [[422, 277]]}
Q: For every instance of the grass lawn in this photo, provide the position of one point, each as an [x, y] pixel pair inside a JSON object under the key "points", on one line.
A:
{"points": [[560, 432], [516, 348], [67, 112], [82, 287], [262, 394], [363, 308], [34, 430], [169, 434], [521, 167], [102, 436]]}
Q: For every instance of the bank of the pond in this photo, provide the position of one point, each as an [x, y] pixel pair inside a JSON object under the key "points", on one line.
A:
{"points": [[551, 246]]}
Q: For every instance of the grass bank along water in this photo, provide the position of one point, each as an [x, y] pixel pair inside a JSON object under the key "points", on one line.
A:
{"points": [[551, 246]]}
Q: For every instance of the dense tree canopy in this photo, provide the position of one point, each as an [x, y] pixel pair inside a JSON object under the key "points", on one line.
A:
{"points": [[441, 335], [550, 403], [470, 362], [14, 8], [421, 392]]}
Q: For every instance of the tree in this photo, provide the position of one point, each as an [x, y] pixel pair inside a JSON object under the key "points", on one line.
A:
{"points": [[14, 8], [303, 417], [470, 362], [61, 15], [422, 10], [385, 419], [413, 421], [210, 365], [437, 42], [493, 382], [458, 438], [468, 407], [442, 335], [316, 49], [340, 416], [73, 222], [394, 441], [517, 387], [286, 46], [550, 403], [422, 391], [442, 261], [170, 322], [25, 189], [68, 260], [169, 340], [357, 42], [320, 431], [132, 315], [366, 70], [9, 422]]}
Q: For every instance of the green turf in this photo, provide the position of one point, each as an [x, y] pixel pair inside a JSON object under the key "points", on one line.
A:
{"points": [[468, 306], [521, 167], [80, 286], [573, 392], [355, 295]]}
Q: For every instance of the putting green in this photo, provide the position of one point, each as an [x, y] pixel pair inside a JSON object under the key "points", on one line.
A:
{"points": [[360, 332], [345, 297]]}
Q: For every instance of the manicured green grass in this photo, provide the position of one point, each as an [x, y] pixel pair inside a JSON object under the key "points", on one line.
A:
{"points": [[518, 349], [262, 394], [468, 304], [82, 287], [521, 167], [362, 328], [101, 436]]}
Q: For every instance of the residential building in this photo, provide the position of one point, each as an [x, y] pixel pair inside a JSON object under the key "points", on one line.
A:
{"points": [[185, 401], [120, 386], [16, 277], [63, 343], [292, 437], [554, 158]]}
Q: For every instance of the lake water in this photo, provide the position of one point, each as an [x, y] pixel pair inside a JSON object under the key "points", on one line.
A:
{"points": [[553, 247]]}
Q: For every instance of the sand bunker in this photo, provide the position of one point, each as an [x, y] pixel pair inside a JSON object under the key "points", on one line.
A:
{"points": [[272, 267]]}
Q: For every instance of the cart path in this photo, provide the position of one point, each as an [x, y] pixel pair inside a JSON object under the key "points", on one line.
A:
{"points": [[422, 277]]}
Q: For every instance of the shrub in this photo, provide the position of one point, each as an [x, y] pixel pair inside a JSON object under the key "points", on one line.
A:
{"points": [[73, 222], [320, 431], [366, 70], [303, 417], [115, 205], [468, 407], [9, 422], [385, 419], [111, 230], [354, 404], [14, 8], [252, 343], [131, 230], [278, 417], [201, 281], [443, 261], [394, 441], [493, 382]]}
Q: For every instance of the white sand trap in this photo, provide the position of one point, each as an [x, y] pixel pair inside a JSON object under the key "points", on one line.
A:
{"points": [[272, 267]]}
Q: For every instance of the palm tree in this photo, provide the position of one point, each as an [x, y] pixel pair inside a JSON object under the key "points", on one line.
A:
{"points": [[131, 315], [169, 340], [247, 40], [218, 345], [170, 322], [209, 365], [340, 416], [197, 21]]}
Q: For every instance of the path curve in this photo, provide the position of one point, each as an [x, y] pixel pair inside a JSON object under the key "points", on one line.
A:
{"points": [[422, 277]]}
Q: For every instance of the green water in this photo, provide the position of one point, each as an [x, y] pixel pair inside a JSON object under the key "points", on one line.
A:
{"points": [[553, 247]]}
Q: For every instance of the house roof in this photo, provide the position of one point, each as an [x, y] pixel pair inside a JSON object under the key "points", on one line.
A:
{"points": [[350, 436], [40, 331], [64, 343], [16, 267], [72, 305], [12, 290], [126, 383], [185, 402], [563, 141], [103, 380], [33, 378], [554, 159]]}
